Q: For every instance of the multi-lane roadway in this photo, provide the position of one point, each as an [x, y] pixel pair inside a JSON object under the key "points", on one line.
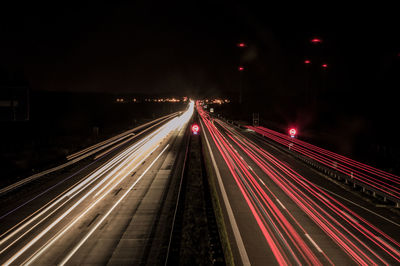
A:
{"points": [[105, 210], [113, 203], [279, 211]]}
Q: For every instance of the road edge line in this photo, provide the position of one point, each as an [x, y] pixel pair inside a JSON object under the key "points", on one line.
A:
{"points": [[239, 241]]}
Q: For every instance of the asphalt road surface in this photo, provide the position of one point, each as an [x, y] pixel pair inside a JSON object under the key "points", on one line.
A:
{"points": [[279, 211], [104, 212]]}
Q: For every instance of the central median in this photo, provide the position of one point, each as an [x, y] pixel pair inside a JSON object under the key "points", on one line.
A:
{"points": [[197, 238]]}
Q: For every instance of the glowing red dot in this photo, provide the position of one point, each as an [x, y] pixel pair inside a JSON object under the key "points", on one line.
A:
{"points": [[241, 44], [195, 128], [307, 61], [324, 65], [241, 68], [292, 132], [316, 40]]}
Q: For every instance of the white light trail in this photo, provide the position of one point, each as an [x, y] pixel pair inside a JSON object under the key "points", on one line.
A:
{"points": [[68, 257], [114, 169]]}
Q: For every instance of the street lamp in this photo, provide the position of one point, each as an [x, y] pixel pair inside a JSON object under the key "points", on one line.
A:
{"points": [[316, 40], [242, 46]]}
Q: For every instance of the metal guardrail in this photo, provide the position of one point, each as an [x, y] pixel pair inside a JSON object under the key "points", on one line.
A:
{"points": [[330, 172]]}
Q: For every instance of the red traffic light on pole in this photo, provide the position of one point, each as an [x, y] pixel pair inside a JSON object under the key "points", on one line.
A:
{"points": [[292, 132], [195, 129]]}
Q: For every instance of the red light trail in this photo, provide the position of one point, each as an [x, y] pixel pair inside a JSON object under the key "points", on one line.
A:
{"points": [[363, 242], [377, 179]]}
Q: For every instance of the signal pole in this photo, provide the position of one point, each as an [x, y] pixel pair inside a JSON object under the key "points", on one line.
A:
{"points": [[241, 69], [256, 119]]}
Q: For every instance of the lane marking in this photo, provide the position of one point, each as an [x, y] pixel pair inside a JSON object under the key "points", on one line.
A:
{"points": [[48, 228], [313, 242], [280, 203], [239, 241], [55, 238], [68, 257]]}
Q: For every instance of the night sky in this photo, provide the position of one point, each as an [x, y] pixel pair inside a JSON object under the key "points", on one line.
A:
{"points": [[169, 46]]}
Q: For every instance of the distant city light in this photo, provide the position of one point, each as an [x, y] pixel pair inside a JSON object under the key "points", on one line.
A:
{"points": [[324, 65], [242, 44], [214, 101], [241, 68], [307, 61]]}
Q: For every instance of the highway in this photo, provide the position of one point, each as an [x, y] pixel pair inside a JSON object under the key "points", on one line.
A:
{"points": [[279, 211], [105, 210]]}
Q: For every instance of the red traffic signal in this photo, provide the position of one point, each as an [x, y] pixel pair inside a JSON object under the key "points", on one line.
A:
{"points": [[240, 68], [241, 44], [307, 61], [324, 65], [195, 129], [292, 132]]}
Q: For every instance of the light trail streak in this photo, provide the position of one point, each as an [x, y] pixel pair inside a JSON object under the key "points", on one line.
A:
{"points": [[83, 240], [257, 200], [231, 217], [333, 206], [278, 255], [108, 142], [71, 193], [369, 233], [335, 219], [306, 204], [373, 177], [107, 177]]}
